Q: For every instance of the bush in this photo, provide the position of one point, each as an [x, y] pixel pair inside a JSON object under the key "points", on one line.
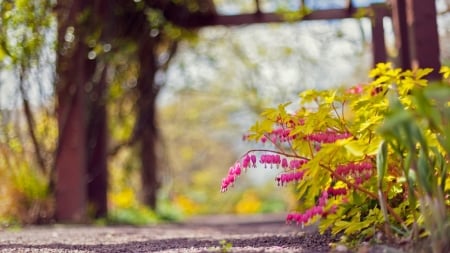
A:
{"points": [[370, 158]]}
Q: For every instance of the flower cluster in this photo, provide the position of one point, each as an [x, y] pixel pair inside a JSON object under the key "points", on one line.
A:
{"points": [[233, 173], [297, 163], [249, 160], [354, 168], [236, 170], [361, 171], [362, 178], [278, 135], [327, 136], [333, 192], [271, 159], [285, 178], [275, 159], [317, 210]]}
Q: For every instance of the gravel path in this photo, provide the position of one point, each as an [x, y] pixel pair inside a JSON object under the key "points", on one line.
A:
{"points": [[266, 233]]}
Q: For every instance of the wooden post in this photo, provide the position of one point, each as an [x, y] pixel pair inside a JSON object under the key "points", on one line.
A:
{"points": [[378, 42], [423, 35], [401, 34]]}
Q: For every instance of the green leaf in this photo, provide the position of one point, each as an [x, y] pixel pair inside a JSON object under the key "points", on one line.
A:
{"points": [[381, 162], [424, 172]]}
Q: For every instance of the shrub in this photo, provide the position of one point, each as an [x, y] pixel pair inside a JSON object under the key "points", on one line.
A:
{"points": [[363, 159]]}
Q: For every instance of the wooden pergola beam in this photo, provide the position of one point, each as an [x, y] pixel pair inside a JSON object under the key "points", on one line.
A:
{"points": [[198, 21]]}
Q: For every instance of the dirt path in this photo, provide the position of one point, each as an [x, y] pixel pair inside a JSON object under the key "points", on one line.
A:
{"points": [[205, 234]]}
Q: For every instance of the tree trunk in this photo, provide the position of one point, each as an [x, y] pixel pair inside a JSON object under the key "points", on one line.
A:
{"points": [[70, 160], [97, 178], [81, 165], [147, 131], [97, 137]]}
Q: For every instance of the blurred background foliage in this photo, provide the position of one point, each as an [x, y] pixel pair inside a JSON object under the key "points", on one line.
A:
{"points": [[219, 80]]}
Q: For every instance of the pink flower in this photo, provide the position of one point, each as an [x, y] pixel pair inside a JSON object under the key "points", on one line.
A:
{"points": [[333, 192], [358, 89], [246, 161], [264, 139], [277, 135], [227, 182], [317, 210], [233, 173], [297, 163], [253, 159], [284, 163], [236, 170], [273, 139], [329, 136], [354, 169], [359, 180], [285, 178]]}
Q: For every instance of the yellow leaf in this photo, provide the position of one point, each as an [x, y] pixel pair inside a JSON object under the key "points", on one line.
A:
{"points": [[445, 71], [372, 148], [330, 98], [308, 96], [381, 80], [2, 54], [380, 69], [420, 73], [355, 148]]}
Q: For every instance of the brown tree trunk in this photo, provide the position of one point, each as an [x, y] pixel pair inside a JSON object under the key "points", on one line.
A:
{"points": [[97, 173], [96, 136], [80, 164], [147, 131], [70, 160]]}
